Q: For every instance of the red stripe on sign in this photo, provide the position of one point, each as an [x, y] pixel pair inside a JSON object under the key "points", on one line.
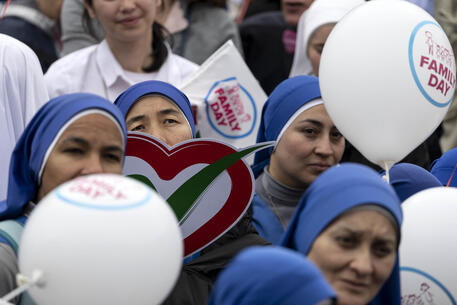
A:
{"points": [[4, 10]]}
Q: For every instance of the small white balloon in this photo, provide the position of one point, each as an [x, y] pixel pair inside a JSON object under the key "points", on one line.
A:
{"points": [[387, 75], [102, 239], [428, 248]]}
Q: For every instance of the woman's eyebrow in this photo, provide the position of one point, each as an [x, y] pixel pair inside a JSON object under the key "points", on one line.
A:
{"points": [[386, 240], [314, 122], [75, 140], [168, 111], [113, 148], [135, 119]]}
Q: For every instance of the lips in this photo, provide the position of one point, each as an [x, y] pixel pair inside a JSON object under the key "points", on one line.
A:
{"points": [[293, 7], [320, 167], [130, 21], [356, 286]]}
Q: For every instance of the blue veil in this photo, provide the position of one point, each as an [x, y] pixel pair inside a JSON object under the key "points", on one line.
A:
{"points": [[334, 192], [408, 179], [270, 275], [30, 150], [126, 100], [284, 101], [445, 168]]}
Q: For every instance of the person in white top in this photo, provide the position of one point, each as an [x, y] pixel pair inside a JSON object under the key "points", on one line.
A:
{"points": [[22, 93], [314, 27], [134, 50]]}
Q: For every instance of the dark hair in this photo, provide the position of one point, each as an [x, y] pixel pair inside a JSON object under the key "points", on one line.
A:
{"points": [[216, 3], [159, 35]]}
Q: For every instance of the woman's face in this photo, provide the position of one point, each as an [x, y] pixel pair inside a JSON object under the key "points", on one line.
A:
{"points": [[356, 254], [309, 146], [293, 9], [92, 144], [316, 45], [158, 116], [124, 20]]}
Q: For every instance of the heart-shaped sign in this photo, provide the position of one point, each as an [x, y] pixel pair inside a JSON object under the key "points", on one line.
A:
{"points": [[205, 181]]}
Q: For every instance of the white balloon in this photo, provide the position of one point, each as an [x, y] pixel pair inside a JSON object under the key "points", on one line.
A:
{"points": [[428, 248], [103, 240], [387, 76]]}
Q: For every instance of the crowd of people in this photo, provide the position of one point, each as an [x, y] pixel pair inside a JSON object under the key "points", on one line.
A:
{"points": [[324, 226]]}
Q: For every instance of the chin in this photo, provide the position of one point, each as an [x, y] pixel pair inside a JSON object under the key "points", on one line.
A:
{"points": [[292, 20], [350, 299]]}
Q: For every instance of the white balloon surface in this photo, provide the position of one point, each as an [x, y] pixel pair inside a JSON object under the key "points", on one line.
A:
{"points": [[387, 76], [428, 248], [102, 239]]}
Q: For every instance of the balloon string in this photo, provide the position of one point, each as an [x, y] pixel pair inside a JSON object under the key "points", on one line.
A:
{"points": [[451, 177], [387, 172], [24, 284]]}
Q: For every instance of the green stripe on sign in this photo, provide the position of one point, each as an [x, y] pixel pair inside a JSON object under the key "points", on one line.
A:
{"points": [[182, 200]]}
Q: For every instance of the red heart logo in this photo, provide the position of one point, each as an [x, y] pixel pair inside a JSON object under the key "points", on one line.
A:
{"points": [[164, 165]]}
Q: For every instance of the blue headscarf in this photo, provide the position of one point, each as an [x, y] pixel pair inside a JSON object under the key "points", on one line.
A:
{"points": [[334, 192], [408, 179], [445, 168], [29, 153], [270, 275], [126, 100], [288, 97]]}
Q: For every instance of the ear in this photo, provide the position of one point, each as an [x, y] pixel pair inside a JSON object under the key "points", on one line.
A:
{"points": [[89, 9]]}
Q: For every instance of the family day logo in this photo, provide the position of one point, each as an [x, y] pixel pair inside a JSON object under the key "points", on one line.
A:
{"points": [[94, 192], [432, 63], [206, 182], [420, 288], [230, 108]]}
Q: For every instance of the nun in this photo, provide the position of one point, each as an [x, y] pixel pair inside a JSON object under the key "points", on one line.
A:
{"points": [[163, 111], [23, 92], [348, 223], [307, 144], [271, 276], [314, 27], [158, 109], [70, 136], [408, 179], [445, 168]]}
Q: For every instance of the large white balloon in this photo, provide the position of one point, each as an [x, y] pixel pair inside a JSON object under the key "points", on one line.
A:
{"points": [[428, 248], [387, 76], [102, 240]]}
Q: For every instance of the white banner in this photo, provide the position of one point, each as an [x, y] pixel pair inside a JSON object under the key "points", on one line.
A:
{"points": [[226, 97]]}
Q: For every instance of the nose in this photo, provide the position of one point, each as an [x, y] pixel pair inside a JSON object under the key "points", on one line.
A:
{"points": [[324, 147], [362, 262], [92, 165], [158, 133], [127, 5]]}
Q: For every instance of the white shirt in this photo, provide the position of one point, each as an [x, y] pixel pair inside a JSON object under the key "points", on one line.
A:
{"points": [[95, 70], [22, 93]]}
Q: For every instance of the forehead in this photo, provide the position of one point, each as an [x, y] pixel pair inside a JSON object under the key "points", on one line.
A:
{"points": [[321, 34], [93, 124], [316, 113], [152, 103], [366, 220]]}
